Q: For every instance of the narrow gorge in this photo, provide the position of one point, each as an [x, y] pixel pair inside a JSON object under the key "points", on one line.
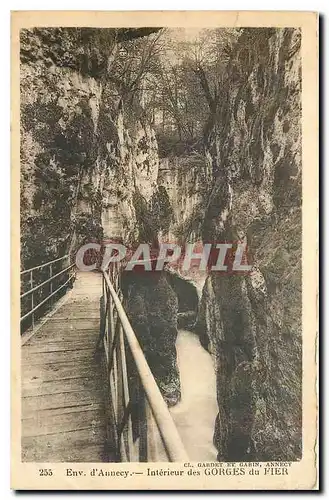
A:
{"points": [[132, 135]]}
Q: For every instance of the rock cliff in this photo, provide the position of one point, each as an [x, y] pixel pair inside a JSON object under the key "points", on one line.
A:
{"points": [[85, 157], [187, 185], [252, 323], [89, 169]]}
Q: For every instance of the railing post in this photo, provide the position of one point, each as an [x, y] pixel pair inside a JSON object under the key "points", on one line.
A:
{"points": [[51, 283], [128, 435], [153, 437], [111, 360], [103, 287], [32, 298], [111, 323], [119, 377], [142, 425]]}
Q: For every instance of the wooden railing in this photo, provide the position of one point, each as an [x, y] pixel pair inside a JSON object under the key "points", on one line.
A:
{"points": [[143, 426], [37, 290]]}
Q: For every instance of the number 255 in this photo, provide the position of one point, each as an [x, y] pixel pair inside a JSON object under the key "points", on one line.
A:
{"points": [[45, 472]]}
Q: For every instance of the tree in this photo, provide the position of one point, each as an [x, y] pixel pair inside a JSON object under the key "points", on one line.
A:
{"points": [[136, 61], [191, 77]]}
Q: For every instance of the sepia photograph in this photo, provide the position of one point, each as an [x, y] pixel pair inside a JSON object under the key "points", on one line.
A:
{"points": [[161, 209]]}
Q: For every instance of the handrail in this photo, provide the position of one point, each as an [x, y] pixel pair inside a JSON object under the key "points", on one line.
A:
{"points": [[50, 280], [173, 445], [45, 300], [44, 265], [46, 281]]}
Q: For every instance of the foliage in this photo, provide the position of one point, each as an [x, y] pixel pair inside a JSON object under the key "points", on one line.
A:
{"points": [[154, 216], [136, 62], [43, 239], [86, 50], [183, 91], [66, 153], [87, 228]]}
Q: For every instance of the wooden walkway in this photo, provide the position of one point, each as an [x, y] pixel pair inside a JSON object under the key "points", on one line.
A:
{"points": [[65, 411], [63, 393]]}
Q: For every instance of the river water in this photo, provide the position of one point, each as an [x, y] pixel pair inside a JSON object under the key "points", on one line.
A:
{"points": [[195, 415]]}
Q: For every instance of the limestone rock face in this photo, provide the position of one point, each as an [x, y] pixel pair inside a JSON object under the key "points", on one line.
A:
{"points": [[89, 168], [152, 307], [186, 181], [82, 159], [252, 323], [132, 173]]}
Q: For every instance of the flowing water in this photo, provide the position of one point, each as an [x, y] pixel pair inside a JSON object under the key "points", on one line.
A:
{"points": [[195, 415]]}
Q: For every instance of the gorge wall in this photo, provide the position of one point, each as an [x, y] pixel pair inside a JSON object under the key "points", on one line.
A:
{"points": [[85, 156], [89, 169], [186, 181], [253, 322]]}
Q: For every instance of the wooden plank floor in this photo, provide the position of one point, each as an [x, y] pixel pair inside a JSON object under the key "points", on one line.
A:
{"points": [[63, 389]]}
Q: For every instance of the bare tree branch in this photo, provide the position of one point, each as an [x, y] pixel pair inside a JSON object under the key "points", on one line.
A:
{"points": [[211, 100]]}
